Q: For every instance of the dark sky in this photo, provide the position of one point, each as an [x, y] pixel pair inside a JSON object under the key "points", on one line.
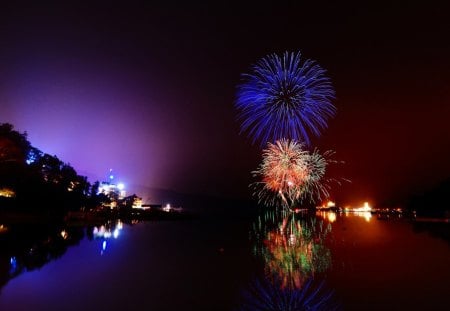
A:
{"points": [[148, 90]]}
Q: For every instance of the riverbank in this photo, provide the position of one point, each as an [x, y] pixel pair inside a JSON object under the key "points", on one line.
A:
{"points": [[83, 218]]}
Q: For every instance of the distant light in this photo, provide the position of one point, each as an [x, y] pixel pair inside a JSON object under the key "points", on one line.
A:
{"points": [[365, 208], [116, 233], [64, 234], [7, 193], [104, 245], [31, 158], [121, 186], [111, 177], [331, 204]]}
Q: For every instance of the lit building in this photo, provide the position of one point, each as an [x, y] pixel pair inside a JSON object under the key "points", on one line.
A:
{"points": [[112, 190], [137, 203]]}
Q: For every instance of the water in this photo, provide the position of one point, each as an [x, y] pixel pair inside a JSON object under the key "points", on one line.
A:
{"points": [[361, 263]]}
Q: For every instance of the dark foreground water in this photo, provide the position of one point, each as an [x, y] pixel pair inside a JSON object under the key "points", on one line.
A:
{"points": [[349, 262]]}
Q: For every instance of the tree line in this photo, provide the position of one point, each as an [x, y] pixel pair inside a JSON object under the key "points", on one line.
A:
{"points": [[31, 179]]}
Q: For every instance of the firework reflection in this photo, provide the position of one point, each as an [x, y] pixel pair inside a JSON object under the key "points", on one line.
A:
{"points": [[269, 295], [291, 247]]}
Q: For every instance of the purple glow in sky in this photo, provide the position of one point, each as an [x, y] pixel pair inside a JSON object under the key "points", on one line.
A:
{"points": [[94, 119]]}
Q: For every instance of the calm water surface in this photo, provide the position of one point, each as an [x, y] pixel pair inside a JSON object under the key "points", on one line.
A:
{"points": [[360, 262]]}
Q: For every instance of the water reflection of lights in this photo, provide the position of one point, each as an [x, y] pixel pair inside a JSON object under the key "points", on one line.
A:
{"points": [[332, 216], [292, 249], [13, 265], [366, 215], [107, 231]]}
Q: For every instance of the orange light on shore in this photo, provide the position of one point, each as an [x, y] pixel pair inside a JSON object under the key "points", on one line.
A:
{"points": [[64, 234], [327, 205], [365, 208]]}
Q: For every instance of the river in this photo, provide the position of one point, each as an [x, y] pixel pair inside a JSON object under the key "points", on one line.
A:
{"points": [[340, 261]]}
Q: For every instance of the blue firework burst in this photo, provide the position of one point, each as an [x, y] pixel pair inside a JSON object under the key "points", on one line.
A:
{"points": [[285, 97]]}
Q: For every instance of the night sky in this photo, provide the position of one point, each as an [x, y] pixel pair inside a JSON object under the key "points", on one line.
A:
{"points": [[149, 90]]}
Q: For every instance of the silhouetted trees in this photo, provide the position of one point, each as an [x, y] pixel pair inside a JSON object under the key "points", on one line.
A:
{"points": [[39, 180], [14, 146]]}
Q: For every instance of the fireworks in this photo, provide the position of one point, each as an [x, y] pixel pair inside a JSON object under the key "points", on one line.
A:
{"points": [[291, 174], [285, 97], [283, 170], [316, 186]]}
